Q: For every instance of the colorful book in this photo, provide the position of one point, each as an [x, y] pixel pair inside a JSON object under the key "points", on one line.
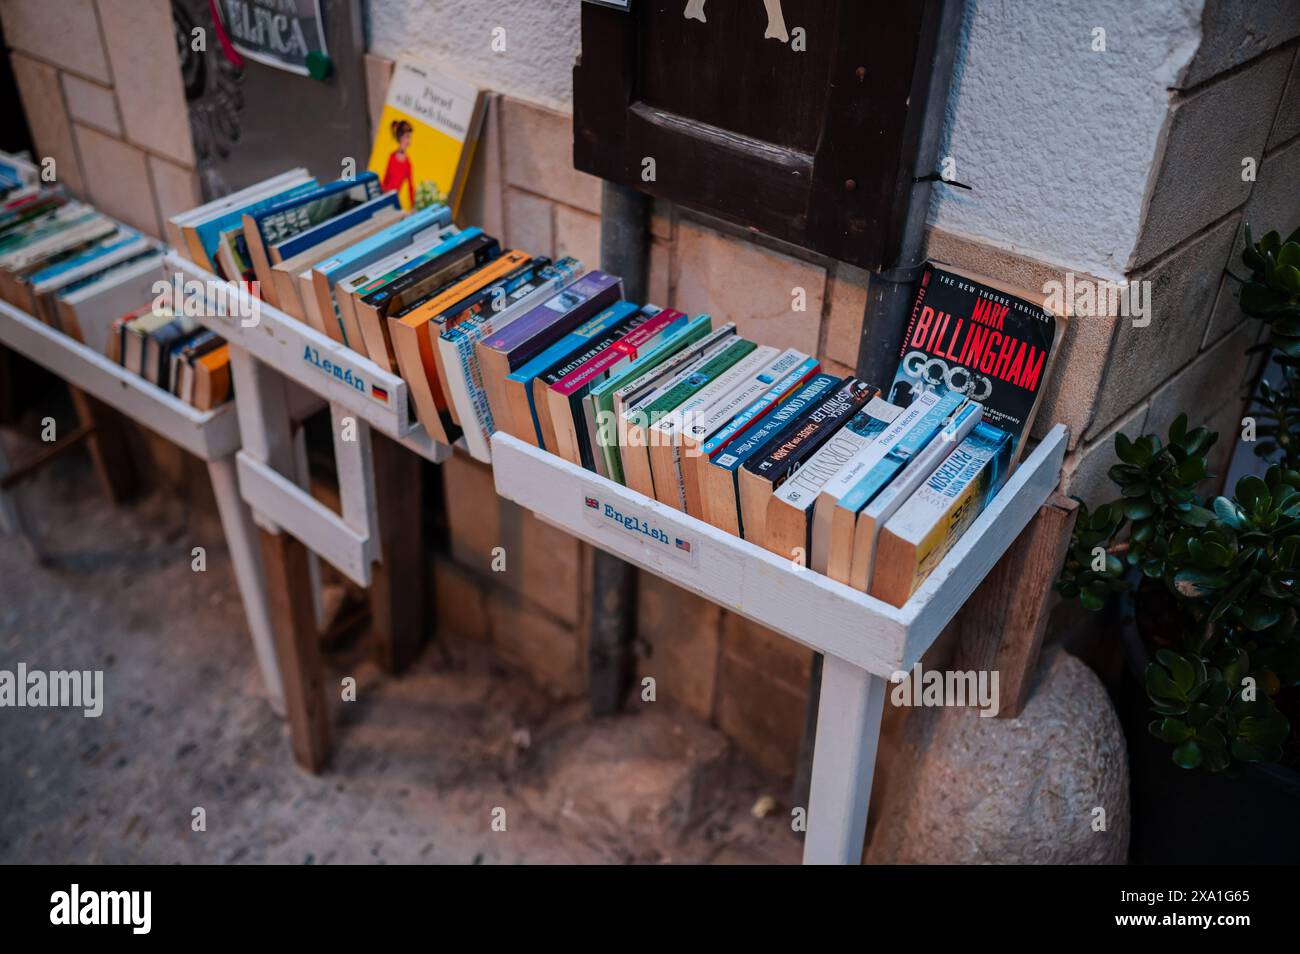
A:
{"points": [[893, 495], [414, 333], [926, 527], [460, 354], [426, 135], [837, 506], [599, 402], [292, 216], [510, 358], [765, 472]]}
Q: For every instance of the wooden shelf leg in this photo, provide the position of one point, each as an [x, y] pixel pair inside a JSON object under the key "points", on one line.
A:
{"points": [[288, 590], [1003, 632], [241, 538], [399, 588], [109, 451], [844, 760]]}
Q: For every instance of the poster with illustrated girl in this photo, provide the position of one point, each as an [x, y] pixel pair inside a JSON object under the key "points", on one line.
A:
{"points": [[426, 135]]}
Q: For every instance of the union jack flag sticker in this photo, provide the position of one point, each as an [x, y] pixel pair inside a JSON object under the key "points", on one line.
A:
{"points": [[592, 502]]}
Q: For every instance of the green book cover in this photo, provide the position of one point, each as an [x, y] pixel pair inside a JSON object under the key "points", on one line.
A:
{"points": [[601, 399], [693, 382]]}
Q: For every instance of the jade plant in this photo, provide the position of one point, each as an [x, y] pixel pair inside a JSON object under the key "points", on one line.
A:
{"points": [[1224, 573]]}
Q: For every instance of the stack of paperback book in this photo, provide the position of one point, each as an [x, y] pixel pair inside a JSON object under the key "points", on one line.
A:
{"points": [[870, 487], [78, 270]]}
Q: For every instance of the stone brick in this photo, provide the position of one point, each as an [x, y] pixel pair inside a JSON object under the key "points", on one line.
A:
{"points": [[117, 178], [781, 659], [141, 46], [1077, 370], [52, 136], [577, 233], [1199, 158], [1182, 294], [542, 562], [91, 104], [538, 151], [1214, 381], [658, 282], [379, 70], [66, 34], [764, 717], [547, 650], [663, 219], [1235, 31], [459, 600], [1274, 204], [1287, 124], [483, 204], [680, 632], [842, 331], [1085, 471], [529, 223], [738, 281], [176, 188]]}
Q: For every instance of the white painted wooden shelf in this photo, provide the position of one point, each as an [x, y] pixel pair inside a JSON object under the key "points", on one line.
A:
{"points": [[208, 435], [314, 361], [213, 436], [806, 606], [863, 640]]}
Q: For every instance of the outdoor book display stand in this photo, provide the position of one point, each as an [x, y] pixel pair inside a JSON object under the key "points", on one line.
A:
{"points": [[212, 436], [264, 352], [863, 640]]}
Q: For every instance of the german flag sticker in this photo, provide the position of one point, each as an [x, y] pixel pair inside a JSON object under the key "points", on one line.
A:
{"points": [[378, 393]]}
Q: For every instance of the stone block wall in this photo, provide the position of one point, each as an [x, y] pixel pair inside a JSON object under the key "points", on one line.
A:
{"points": [[102, 91]]}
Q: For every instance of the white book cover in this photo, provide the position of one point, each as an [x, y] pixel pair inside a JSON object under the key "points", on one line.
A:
{"points": [[844, 479], [917, 471]]}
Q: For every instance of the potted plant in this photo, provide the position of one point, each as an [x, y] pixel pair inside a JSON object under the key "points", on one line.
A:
{"points": [[1209, 605]]}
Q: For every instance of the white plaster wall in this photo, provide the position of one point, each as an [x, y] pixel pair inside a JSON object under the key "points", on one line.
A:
{"points": [[541, 39], [1057, 140]]}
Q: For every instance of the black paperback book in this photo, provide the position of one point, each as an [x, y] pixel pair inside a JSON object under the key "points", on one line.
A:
{"points": [[977, 339]]}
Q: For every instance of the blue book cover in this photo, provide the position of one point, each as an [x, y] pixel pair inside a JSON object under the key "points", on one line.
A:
{"points": [[119, 239], [562, 348], [334, 226], [209, 232], [908, 446], [775, 419], [383, 243], [301, 212]]}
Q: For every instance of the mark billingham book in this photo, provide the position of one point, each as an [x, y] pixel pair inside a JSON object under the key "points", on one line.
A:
{"points": [[983, 340], [760, 476], [925, 528]]}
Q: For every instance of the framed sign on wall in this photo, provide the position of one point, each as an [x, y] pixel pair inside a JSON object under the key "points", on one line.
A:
{"points": [[797, 118]]}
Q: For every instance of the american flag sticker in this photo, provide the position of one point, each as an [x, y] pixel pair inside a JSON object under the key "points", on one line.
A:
{"points": [[684, 544]]}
